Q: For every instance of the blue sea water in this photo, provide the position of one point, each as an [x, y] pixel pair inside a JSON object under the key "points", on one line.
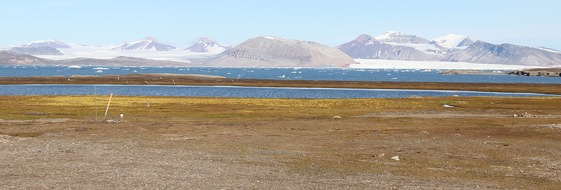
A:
{"points": [[336, 74], [235, 91], [333, 74]]}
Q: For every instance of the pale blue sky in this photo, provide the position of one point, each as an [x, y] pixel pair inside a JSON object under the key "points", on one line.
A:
{"points": [[182, 22]]}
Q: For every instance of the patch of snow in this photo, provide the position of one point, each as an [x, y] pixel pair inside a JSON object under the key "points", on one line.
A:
{"points": [[399, 64], [450, 40], [549, 50], [269, 37], [388, 35], [106, 52], [215, 49], [40, 41], [427, 48]]}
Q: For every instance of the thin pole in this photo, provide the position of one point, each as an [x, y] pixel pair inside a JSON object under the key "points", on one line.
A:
{"points": [[95, 103], [107, 109]]}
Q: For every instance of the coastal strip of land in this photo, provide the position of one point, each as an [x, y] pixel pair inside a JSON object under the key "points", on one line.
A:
{"points": [[210, 80]]}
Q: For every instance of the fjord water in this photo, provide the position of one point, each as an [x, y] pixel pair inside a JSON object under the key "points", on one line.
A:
{"points": [[259, 73], [234, 91], [336, 74]]}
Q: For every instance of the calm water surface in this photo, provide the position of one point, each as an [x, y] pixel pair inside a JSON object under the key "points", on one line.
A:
{"points": [[234, 91]]}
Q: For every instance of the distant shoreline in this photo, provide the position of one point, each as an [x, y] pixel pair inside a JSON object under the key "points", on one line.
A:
{"points": [[211, 80], [472, 72], [543, 72]]}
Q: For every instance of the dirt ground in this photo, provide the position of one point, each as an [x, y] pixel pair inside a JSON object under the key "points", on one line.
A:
{"points": [[218, 143]]}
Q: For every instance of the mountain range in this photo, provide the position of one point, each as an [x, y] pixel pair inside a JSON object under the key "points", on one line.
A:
{"points": [[279, 52], [450, 48], [9, 58]]}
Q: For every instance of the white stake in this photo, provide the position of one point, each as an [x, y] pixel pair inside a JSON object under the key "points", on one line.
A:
{"points": [[107, 109]]}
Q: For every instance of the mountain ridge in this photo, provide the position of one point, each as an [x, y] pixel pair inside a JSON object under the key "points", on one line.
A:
{"points": [[455, 48], [46, 43], [298, 53], [266, 51], [206, 45], [148, 43], [9, 58]]}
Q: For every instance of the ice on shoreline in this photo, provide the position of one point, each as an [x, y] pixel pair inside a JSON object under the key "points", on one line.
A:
{"points": [[399, 64]]}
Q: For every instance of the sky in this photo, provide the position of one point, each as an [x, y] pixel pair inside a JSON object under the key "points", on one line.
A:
{"points": [[181, 22]]}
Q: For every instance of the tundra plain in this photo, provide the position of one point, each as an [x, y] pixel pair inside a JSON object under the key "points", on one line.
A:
{"points": [[63, 142]]}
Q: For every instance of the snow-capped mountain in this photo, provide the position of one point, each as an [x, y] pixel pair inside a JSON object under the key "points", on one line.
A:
{"points": [[406, 40], [483, 52], [398, 37], [148, 43], [46, 43], [206, 45], [454, 48], [368, 47], [454, 41]]}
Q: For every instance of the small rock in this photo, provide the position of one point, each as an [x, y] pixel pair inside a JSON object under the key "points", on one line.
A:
{"points": [[381, 155], [396, 158], [337, 117]]}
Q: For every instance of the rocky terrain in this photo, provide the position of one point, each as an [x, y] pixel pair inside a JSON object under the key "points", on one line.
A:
{"points": [[279, 52], [543, 72]]}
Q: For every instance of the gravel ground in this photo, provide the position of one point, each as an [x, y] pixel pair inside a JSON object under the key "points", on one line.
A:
{"points": [[79, 155], [74, 155]]}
